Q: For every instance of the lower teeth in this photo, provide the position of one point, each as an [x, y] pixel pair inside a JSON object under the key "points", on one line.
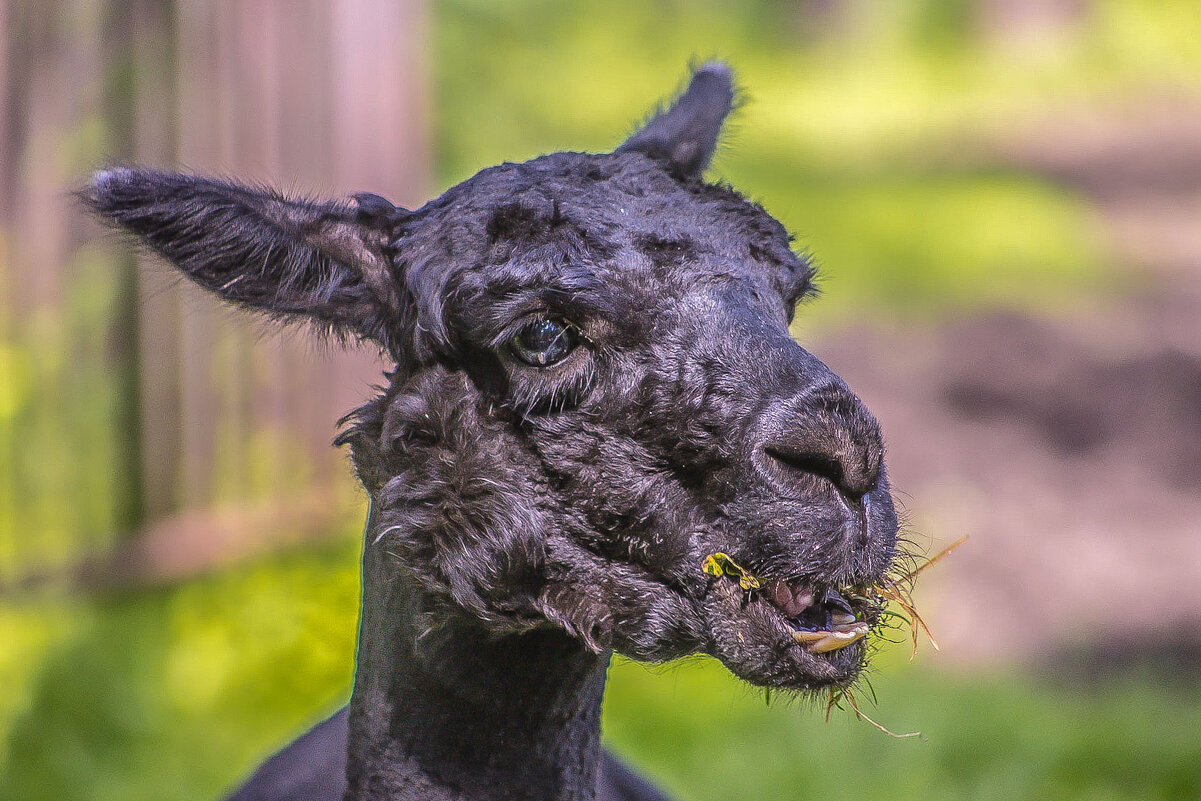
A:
{"points": [[820, 642]]}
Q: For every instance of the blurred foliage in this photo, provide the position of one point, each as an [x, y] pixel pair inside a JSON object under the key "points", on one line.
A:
{"points": [[171, 695], [868, 135], [865, 137], [61, 389], [985, 736]]}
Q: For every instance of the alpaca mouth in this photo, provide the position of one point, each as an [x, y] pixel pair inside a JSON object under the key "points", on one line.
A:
{"points": [[820, 620]]}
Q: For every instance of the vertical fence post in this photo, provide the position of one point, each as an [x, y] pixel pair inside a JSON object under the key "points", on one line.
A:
{"points": [[141, 399]]}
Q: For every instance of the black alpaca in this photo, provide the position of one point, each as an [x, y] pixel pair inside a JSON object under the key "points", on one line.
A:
{"points": [[595, 393]]}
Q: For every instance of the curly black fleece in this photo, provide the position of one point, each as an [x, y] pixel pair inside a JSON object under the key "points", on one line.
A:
{"points": [[527, 520]]}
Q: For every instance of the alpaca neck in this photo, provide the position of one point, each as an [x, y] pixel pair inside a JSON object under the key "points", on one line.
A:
{"points": [[454, 714]]}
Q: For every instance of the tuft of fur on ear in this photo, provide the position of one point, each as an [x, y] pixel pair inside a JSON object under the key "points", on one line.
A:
{"points": [[683, 137], [327, 262]]}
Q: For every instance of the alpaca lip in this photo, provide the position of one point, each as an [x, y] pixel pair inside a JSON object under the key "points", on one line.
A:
{"points": [[822, 626]]}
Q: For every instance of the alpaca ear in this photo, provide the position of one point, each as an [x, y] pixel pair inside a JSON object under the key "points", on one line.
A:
{"points": [[327, 262], [683, 136]]}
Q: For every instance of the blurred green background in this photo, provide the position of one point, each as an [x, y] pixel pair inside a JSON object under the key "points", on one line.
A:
{"points": [[178, 551]]}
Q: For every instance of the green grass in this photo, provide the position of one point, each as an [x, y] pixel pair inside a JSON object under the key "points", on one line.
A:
{"points": [[174, 694], [986, 735]]}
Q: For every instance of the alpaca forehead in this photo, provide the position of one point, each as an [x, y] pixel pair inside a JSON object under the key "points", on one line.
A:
{"points": [[603, 229], [630, 288], [612, 196]]}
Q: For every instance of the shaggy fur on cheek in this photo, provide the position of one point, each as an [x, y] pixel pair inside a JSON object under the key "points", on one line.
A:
{"points": [[465, 507], [461, 508]]}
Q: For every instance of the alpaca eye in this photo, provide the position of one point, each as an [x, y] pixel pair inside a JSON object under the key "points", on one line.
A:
{"points": [[545, 342]]}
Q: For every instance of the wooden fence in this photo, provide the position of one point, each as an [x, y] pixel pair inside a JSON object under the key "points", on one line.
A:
{"points": [[136, 413]]}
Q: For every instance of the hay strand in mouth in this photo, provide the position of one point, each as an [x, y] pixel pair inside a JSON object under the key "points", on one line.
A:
{"points": [[835, 701], [898, 589], [902, 597], [936, 558]]}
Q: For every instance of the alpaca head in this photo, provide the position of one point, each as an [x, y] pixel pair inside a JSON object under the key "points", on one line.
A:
{"points": [[595, 391]]}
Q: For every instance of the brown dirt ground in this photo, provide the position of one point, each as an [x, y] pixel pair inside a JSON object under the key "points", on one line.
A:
{"points": [[1068, 449], [1072, 464]]}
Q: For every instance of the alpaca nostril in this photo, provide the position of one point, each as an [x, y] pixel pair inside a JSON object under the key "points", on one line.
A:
{"points": [[817, 464], [827, 434]]}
